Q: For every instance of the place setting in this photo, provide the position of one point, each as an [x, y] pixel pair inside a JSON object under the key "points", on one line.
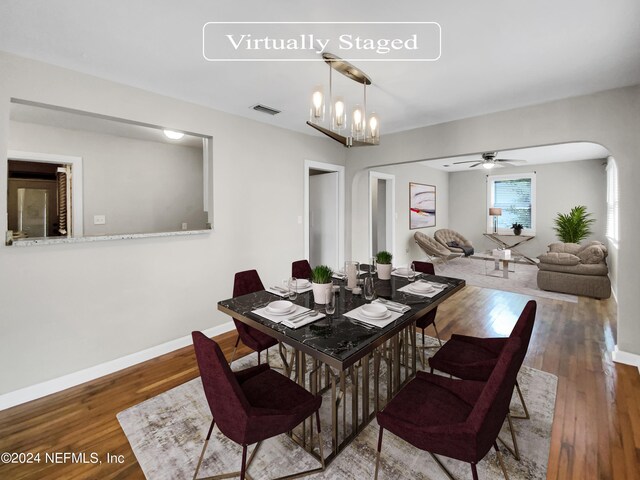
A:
{"points": [[288, 313], [290, 288], [423, 288], [375, 314]]}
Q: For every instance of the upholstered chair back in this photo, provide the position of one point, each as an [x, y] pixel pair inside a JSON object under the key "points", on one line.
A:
{"points": [[301, 269], [227, 402]]}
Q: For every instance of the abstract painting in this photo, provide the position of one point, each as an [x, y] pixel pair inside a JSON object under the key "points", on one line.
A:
{"points": [[422, 205]]}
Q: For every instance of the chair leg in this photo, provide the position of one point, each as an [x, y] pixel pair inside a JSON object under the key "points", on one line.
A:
{"points": [[499, 455], [474, 471], [514, 451], [235, 347], [206, 442], [243, 468], [437, 334], [375, 475], [524, 405]]}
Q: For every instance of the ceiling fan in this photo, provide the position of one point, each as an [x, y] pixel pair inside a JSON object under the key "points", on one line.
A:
{"points": [[489, 161]]}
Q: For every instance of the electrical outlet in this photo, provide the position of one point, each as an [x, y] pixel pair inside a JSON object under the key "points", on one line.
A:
{"points": [[99, 219], [184, 225]]}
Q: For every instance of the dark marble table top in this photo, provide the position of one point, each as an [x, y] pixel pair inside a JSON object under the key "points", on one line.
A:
{"points": [[336, 339]]}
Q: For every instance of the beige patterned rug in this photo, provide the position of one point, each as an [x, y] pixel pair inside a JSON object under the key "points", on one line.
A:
{"points": [[482, 273], [167, 432]]}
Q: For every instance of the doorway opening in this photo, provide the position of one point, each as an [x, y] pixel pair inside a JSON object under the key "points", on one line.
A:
{"points": [[324, 214], [381, 213]]}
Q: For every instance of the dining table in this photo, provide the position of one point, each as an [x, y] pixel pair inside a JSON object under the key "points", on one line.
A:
{"points": [[338, 352]]}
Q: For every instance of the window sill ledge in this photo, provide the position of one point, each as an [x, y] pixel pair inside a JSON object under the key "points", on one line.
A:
{"points": [[32, 242]]}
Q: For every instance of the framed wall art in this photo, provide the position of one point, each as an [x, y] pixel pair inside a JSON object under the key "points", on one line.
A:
{"points": [[422, 205]]}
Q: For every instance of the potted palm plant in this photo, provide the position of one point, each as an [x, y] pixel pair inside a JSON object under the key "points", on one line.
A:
{"points": [[575, 226], [383, 260], [517, 228], [321, 283]]}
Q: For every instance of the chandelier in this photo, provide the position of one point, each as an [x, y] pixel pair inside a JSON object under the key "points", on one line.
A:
{"points": [[361, 130]]}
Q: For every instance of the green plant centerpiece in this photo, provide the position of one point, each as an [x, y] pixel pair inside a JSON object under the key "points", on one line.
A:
{"points": [[321, 283], [517, 228], [383, 259], [575, 226]]}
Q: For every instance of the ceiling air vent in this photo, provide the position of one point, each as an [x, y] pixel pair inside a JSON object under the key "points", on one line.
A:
{"points": [[265, 109]]}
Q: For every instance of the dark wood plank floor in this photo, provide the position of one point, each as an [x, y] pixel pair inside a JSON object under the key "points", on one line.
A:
{"points": [[596, 430]]}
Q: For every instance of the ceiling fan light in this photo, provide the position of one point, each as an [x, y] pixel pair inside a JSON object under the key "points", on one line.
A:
{"points": [[488, 165]]}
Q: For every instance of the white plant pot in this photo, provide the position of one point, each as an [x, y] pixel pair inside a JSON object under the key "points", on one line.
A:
{"points": [[384, 271], [321, 292]]}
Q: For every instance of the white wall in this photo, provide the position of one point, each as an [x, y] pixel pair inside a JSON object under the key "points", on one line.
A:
{"points": [[68, 307], [406, 249], [559, 187], [140, 186], [610, 118]]}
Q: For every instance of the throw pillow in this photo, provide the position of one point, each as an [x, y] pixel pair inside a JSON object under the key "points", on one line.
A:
{"points": [[559, 258], [591, 254]]}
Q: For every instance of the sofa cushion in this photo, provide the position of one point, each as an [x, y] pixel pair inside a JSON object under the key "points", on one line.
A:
{"points": [[591, 254], [559, 258], [596, 269]]}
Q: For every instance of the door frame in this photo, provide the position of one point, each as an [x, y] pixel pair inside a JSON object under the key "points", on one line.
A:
{"points": [[76, 179], [325, 167], [391, 210]]}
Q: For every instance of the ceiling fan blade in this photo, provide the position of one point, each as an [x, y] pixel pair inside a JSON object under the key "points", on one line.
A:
{"points": [[507, 163], [467, 161], [510, 160], [471, 166]]}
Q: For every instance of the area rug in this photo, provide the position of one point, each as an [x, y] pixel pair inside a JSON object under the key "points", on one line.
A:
{"points": [[523, 280], [167, 433]]}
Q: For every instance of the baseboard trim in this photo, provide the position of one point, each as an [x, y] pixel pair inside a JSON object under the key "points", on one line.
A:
{"points": [[55, 385], [627, 358]]}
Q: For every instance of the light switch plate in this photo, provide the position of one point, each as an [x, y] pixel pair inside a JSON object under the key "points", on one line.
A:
{"points": [[99, 219]]}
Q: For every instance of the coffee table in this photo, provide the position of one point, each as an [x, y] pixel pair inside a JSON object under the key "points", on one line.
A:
{"points": [[504, 262], [511, 245]]}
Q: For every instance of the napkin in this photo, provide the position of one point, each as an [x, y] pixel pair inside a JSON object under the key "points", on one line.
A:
{"points": [[393, 306], [301, 322], [285, 319], [277, 291]]}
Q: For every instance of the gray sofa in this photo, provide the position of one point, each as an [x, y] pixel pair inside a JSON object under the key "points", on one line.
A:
{"points": [[575, 269]]}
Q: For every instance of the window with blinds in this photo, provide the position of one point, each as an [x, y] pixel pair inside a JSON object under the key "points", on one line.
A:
{"points": [[612, 200], [515, 196]]}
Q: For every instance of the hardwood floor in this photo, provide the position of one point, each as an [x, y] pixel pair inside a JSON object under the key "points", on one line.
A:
{"points": [[596, 430]]}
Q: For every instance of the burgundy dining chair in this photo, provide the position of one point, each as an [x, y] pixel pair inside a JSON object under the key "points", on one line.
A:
{"points": [[244, 283], [474, 358], [456, 418], [301, 269], [251, 405], [428, 318]]}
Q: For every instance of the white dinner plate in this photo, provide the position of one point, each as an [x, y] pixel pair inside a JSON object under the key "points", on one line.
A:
{"points": [[303, 284], [374, 310], [280, 307], [421, 288], [362, 316], [403, 271], [287, 312]]}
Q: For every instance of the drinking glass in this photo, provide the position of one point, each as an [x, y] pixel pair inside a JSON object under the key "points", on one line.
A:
{"points": [[411, 275], [369, 291], [330, 306], [292, 286]]}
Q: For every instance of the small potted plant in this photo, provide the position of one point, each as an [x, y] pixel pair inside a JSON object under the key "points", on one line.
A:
{"points": [[321, 283], [383, 259], [517, 228]]}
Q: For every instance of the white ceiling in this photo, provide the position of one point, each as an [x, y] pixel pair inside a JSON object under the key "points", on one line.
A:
{"points": [[565, 152], [496, 54]]}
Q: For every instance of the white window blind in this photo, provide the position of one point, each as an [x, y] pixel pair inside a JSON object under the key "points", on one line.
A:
{"points": [[515, 195], [612, 200]]}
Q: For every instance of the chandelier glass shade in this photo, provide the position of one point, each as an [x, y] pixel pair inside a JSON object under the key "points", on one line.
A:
{"points": [[352, 128]]}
